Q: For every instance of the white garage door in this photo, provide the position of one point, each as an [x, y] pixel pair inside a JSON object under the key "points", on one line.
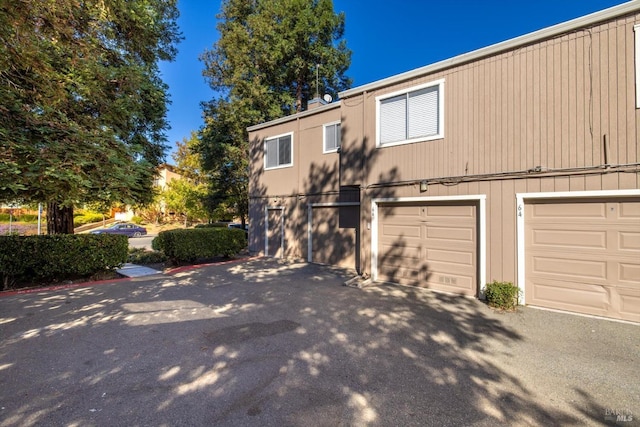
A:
{"points": [[432, 245], [584, 256]]}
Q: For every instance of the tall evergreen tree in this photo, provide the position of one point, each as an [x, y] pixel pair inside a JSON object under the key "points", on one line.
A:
{"points": [[82, 106], [263, 67]]}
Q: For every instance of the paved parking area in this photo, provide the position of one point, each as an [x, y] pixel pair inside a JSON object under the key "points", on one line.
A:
{"points": [[262, 342]]}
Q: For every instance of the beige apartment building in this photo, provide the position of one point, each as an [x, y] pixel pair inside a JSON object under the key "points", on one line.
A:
{"points": [[516, 162]]}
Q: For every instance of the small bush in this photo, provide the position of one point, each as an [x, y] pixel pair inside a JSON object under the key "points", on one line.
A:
{"points": [[137, 219], [503, 295], [143, 256], [87, 218], [29, 218], [5, 217], [59, 256], [192, 244]]}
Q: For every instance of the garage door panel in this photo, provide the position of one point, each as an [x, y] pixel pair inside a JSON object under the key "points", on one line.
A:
{"points": [[569, 211], [566, 238], [450, 212], [395, 254], [628, 272], [629, 241], [404, 275], [451, 233], [582, 298], [458, 258], [395, 230], [571, 269], [459, 284], [630, 304], [584, 256], [443, 256], [629, 211], [400, 211]]}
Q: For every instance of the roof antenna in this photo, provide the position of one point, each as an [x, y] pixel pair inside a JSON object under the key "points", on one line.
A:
{"points": [[317, 80]]}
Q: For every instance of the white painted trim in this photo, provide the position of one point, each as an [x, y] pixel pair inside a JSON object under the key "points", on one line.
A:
{"points": [[266, 228], [439, 135], [324, 137], [636, 30], [580, 194], [264, 145], [481, 199], [310, 207], [521, 199]]}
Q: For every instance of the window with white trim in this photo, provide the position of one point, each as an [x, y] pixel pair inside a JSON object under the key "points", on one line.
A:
{"points": [[278, 151], [411, 115], [331, 137]]}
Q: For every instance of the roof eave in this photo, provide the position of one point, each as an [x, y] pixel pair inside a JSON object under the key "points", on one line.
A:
{"points": [[294, 116]]}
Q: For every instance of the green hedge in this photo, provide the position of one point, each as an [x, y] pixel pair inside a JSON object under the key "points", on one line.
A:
{"points": [[192, 244], [5, 217], [213, 225], [87, 218], [59, 256]]}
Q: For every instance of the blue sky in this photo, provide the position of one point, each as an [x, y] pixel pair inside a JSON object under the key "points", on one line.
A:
{"points": [[386, 38]]}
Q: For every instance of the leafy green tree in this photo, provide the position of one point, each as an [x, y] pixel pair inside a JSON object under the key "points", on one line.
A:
{"points": [[82, 106], [263, 67], [188, 162], [185, 197]]}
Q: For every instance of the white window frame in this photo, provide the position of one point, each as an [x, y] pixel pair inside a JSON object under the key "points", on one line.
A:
{"points": [[271, 138], [636, 30], [325, 150], [439, 135]]}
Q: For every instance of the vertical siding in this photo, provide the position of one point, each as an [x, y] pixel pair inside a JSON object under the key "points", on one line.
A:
{"points": [[548, 104], [313, 173]]}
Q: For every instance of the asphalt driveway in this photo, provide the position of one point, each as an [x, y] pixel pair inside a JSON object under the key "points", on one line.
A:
{"points": [[275, 344]]}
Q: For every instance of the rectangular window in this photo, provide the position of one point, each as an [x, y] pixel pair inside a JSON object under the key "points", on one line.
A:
{"points": [[331, 137], [411, 115], [278, 152]]}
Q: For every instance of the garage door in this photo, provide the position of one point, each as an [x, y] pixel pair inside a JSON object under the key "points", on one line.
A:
{"points": [[333, 242], [584, 256], [430, 245]]}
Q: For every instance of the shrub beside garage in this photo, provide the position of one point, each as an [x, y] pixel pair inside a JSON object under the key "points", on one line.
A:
{"points": [[200, 243], [25, 259]]}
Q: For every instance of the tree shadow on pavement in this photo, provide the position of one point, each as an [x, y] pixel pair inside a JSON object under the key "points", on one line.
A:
{"points": [[264, 342]]}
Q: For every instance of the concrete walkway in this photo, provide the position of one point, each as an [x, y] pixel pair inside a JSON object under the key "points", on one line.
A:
{"points": [[133, 270]]}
